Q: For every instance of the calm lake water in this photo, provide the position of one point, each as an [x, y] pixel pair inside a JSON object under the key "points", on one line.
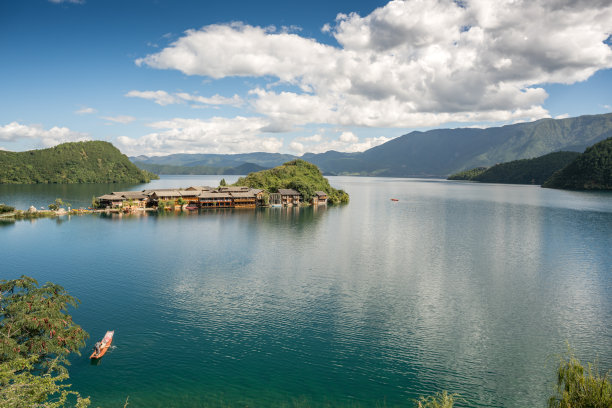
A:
{"points": [[471, 288]]}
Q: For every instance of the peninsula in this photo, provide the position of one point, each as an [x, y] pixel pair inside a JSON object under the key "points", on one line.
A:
{"points": [[67, 163]]}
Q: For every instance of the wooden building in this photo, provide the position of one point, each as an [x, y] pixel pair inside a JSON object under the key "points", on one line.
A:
{"points": [[110, 201], [133, 199], [212, 199], [289, 197], [319, 198], [244, 199]]}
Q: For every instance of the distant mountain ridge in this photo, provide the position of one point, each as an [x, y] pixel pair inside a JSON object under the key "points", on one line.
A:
{"points": [[434, 153]]}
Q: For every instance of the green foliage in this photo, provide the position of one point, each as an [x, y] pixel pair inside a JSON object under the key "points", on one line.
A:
{"points": [[57, 204], [467, 174], [592, 170], [304, 177], [524, 171], [95, 203], [440, 400], [181, 201], [580, 387], [20, 388], [78, 162], [36, 336], [222, 183], [6, 208]]}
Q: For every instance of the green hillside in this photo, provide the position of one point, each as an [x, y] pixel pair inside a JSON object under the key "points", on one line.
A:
{"points": [[524, 171], [304, 177], [78, 162], [468, 174], [592, 170]]}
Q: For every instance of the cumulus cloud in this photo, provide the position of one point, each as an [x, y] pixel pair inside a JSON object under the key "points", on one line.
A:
{"points": [[15, 131], [215, 135], [85, 111], [124, 119], [164, 98], [409, 63], [345, 142]]}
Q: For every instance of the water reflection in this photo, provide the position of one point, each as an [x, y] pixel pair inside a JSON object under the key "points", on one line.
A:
{"points": [[454, 286]]}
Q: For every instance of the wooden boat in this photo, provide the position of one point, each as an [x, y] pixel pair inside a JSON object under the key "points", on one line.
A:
{"points": [[106, 343], [394, 199], [191, 207]]}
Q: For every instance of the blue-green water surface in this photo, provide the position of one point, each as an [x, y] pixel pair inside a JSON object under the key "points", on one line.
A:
{"points": [[471, 288]]}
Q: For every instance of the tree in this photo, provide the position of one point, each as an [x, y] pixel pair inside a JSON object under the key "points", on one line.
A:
{"points": [[57, 204], [181, 201], [36, 336], [222, 183], [440, 400], [95, 203], [578, 387]]}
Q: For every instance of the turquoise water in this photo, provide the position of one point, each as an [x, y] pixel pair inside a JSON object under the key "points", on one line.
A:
{"points": [[472, 288]]}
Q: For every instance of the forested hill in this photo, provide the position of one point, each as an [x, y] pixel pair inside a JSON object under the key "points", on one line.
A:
{"points": [[77, 162], [304, 177], [592, 170], [524, 171]]}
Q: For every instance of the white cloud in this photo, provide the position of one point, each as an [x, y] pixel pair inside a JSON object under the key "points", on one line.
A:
{"points": [[124, 119], [410, 63], [215, 135], [159, 97], [164, 98], [15, 131], [562, 116], [345, 142], [85, 111]]}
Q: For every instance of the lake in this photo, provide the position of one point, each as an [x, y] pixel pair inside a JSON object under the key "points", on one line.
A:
{"points": [[471, 288]]}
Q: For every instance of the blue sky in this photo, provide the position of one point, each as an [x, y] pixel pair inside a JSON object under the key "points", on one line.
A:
{"points": [[160, 77]]}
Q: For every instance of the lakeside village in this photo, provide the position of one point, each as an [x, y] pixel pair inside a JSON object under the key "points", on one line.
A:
{"points": [[203, 197]]}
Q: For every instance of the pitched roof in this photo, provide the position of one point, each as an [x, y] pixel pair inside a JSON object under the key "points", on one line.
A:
{"points": [[288, 191], [111, 197], [232, 189], [320, 193], [131, 195], [214, 194], [190, 193], [166, 193], [243, 194]]}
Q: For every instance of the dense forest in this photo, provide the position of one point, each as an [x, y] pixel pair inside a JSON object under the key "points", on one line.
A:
{"points": [[525, 171], [77, 162], [592, 170], [304, 177]]}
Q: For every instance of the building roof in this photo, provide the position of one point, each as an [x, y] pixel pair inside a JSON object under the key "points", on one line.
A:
{"points": [[131, 195], [288, 191], [190, 193], [256, 190], [166, 193], [214, 194], [199, 188], [320, 193], [243, 194], [111, 197], [232, 189]]}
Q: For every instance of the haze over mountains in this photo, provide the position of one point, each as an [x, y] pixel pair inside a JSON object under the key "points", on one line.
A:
{"points": [[434, 153]]}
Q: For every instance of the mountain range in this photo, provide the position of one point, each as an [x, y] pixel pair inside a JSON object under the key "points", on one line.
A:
{"points": [[433, 153]]}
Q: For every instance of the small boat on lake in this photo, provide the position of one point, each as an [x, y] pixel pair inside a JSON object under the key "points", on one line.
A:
{"points": [[104, 345], [394, 199], [191, 207]]}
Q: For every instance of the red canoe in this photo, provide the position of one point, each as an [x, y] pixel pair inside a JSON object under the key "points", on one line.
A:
{"points": [[106, 342]]}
